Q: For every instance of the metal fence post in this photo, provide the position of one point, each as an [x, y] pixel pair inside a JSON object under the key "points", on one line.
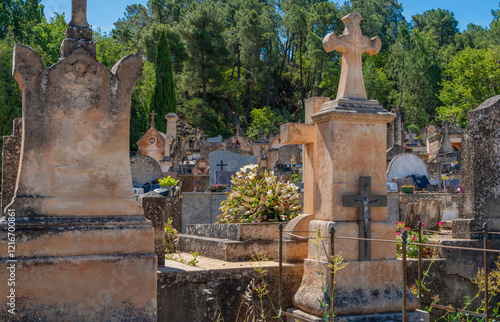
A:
{"points": [[420, 262], [485, 242], [332, 276], [280, 303], [404, 237]]}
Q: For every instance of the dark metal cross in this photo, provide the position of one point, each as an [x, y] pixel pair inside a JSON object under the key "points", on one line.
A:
{"points": [[221, 165], [365, 200]]}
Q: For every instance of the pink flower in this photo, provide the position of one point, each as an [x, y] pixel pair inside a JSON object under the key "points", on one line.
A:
{"points": [[398, 233], [413, 238], [407, 228], [423, 224]]}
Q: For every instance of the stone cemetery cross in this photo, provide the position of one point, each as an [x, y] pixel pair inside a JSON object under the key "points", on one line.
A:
{"points": [[364, 200], [221, 165], [153, 114], [352, 44]]}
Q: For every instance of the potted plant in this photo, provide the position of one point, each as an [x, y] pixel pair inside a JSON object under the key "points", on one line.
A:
{"points": [[407, 189], [408, 149], [168, 182]]}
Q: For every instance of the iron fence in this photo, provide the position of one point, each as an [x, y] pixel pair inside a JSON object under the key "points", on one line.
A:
{"points": [[404, 244]]}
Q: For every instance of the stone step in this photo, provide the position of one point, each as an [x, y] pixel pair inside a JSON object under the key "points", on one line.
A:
{"points": [[223, 249]]}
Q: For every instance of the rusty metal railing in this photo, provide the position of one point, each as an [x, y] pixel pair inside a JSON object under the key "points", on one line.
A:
{"points": [[404, 243]]}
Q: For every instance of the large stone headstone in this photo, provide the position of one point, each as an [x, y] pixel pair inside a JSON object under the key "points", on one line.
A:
{"points": [[144, 169], [480, 171], [230, 162], [405, 165], [11, 154], [84, 250], [224, 177]]}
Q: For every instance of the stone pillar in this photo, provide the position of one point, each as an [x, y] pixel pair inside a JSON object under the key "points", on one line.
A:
{"points": [[11, 154], [480, 172], [154, 205], [398, 130], [170, 137], [83, 249], [390, 135]]}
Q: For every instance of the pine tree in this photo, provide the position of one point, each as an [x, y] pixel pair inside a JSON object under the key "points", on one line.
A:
{"points": [[163, 99]]}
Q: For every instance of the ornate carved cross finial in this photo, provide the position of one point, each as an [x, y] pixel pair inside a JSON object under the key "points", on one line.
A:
{"points": [[153, 114], [352, 44], [79, 13]]}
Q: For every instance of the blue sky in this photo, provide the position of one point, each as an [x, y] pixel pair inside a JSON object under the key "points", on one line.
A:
{"points": [[104, 13]]}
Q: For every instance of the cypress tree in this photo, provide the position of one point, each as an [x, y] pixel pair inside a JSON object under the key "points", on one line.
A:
{"points": [[163, 99]]}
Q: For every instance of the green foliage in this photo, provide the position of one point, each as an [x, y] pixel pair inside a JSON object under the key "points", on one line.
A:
{"points": [[414, 128], [471, 77], [163, 100], [20, 17], [167, 182], [171, 238], [208, 56], [264, 122], [141, 96], [201, 116], [259, 197], [440, 23]]}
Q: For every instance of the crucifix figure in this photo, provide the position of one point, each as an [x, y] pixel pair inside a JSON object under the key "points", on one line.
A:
{"points": [[221, 165], [365, 200], [153, 114], [352, 44], [79, 13]]}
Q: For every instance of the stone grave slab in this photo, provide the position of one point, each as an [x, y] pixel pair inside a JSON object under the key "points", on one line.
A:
{"points": [[289, 154], [224, 177], [405, 165], [144, 169], [228, 161], [216, 139], [229, 242], [428, 211]]}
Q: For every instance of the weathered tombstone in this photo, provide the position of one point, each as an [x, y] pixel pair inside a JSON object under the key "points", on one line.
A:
{"points": [[84, 250], [144, 169], [446, 146], [349, 118], [405, 165], [480, 171], [402, 182], [411, 137], [11, 154], [427, 211], [224, 177], [289, 154], [228, 161]]}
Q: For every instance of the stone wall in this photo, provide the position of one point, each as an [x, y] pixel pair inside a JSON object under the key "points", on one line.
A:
{"points": [[200, 207], [173, 210], [398, 202], [195, 294]]}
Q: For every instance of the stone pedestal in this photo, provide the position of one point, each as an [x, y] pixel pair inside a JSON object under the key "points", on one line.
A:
{"points": [[481, 174], [350, 142]]}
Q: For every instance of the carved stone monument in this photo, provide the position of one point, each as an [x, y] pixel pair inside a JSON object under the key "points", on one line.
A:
{"points": [[83, 249], [371, 283]]}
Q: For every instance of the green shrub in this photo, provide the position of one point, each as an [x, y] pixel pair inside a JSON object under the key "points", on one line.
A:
{"points": [[259, 197], [167, 182]]}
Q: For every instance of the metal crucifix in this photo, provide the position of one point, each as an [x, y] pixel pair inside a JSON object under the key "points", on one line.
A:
{"points": [[365, 200], [221, 165]]}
